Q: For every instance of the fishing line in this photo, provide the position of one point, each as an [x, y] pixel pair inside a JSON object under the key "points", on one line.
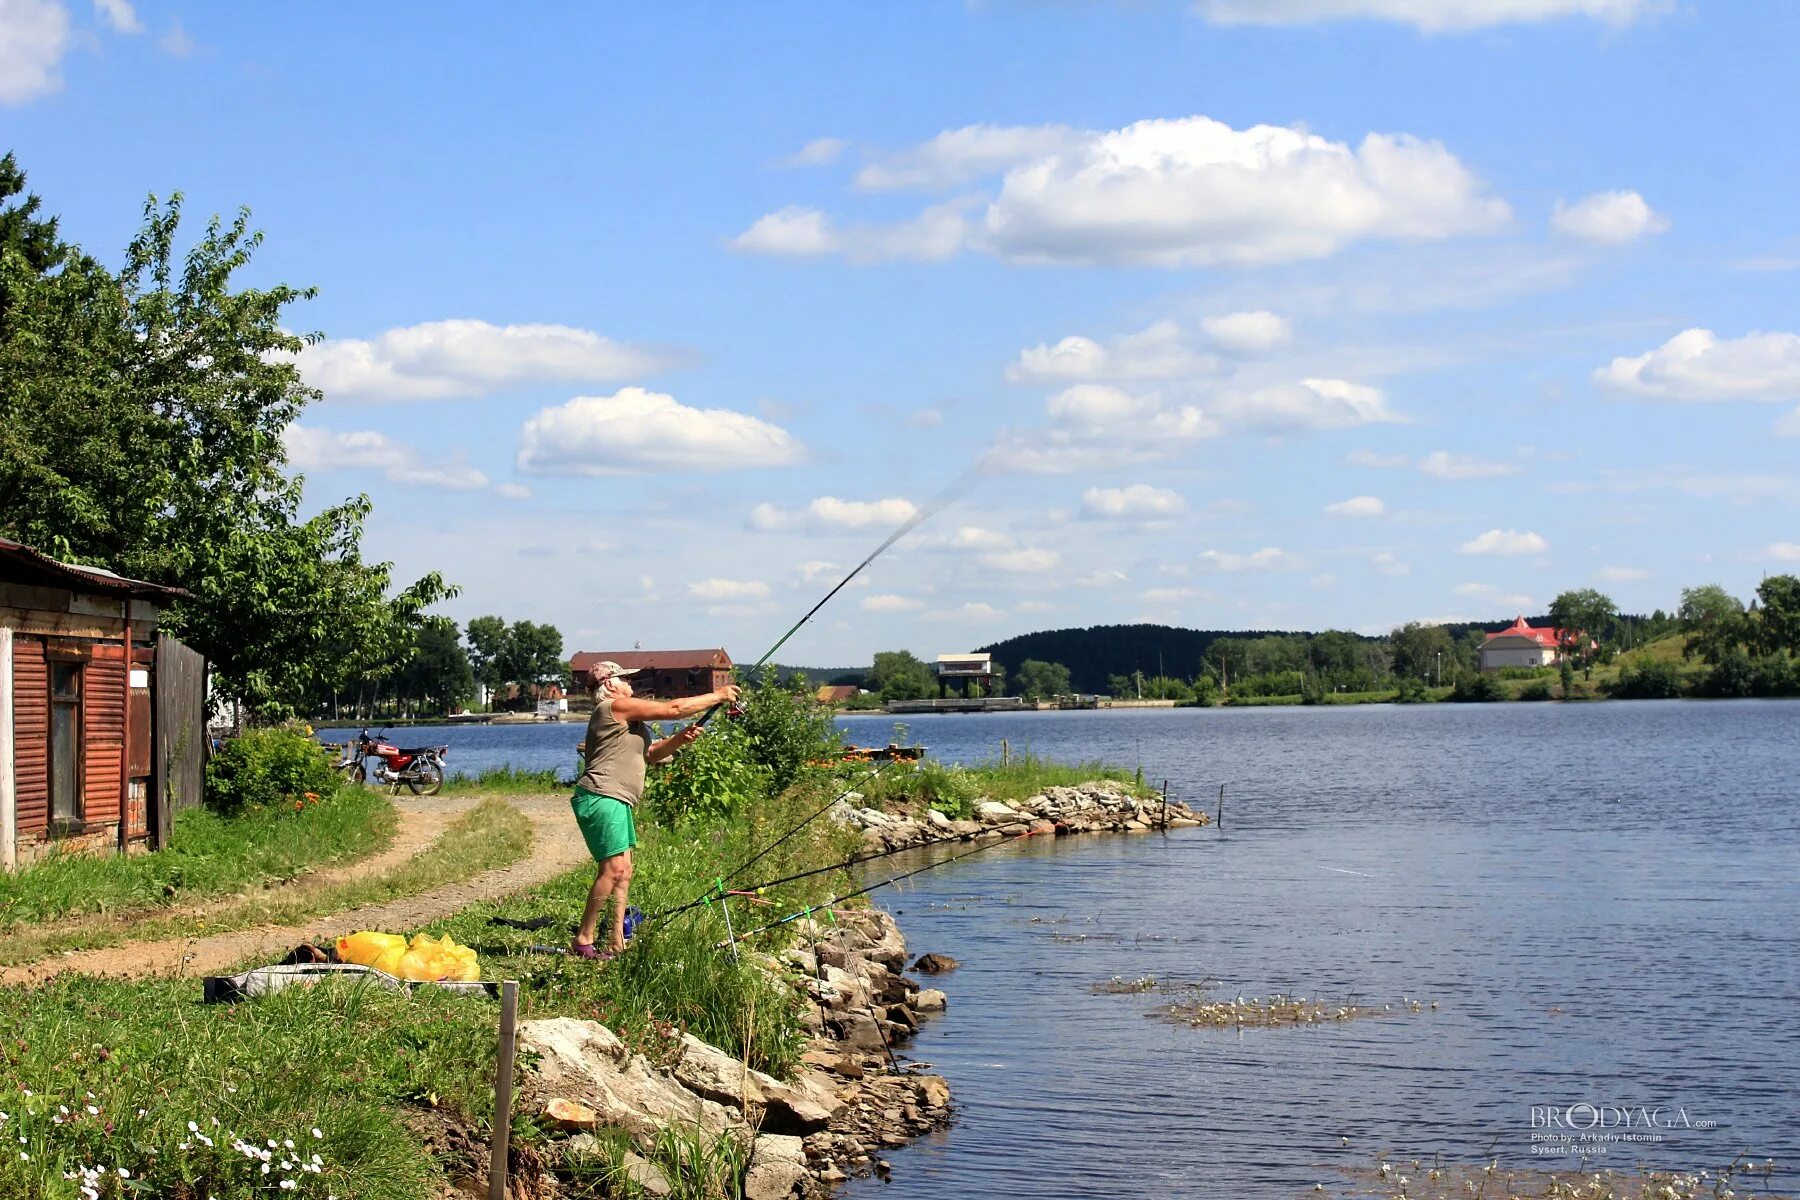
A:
{"points": [[932, 507], [892, 879]]}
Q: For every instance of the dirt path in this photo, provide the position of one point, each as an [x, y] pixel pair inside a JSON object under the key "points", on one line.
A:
{"points": [[555, 848]]}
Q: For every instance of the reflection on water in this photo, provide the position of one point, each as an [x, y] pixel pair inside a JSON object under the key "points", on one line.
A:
{"points": [[1601, 899]]}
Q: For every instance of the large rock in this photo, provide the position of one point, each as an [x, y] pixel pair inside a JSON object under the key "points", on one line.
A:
{"points": [[777, 1166], [992, 812], [934, 964], [585, 1062], [647, 1175], [789, 1108], [859, 1032], [930, 1000], [938, 820]]}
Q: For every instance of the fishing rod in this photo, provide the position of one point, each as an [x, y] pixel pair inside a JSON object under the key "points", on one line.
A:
{"points": [[892, 879], [760, 854], [931, 509]]}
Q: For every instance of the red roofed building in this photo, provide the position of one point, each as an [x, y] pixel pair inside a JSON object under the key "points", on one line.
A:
{"points": [[1522, 645], [665, 674]]}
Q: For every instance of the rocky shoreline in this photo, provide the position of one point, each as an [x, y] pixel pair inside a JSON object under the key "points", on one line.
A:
{"points": [[1089, 808], [853, 1098]]}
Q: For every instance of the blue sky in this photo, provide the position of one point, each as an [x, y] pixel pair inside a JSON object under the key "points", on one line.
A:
{"points": [[1285, 314]]}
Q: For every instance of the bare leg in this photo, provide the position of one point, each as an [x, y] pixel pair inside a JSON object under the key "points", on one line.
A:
{"points": [[590, 916], [621, 888]]}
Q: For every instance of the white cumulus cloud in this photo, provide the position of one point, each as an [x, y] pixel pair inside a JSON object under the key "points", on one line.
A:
{"points": [[1441, 464], [887, 602], [1159, 352], [34, 36], [1504, 541], [1139, 501], [1697, 364], [319, 450], [958, 156], [1608, 218], [728, 589], [440, 360], [830, 514], [1248, 332], [1623, 574], [1180, 192], [1432, 16], [119, 15], [975, 611], [1309, 404], [817, 153], [1388, 563], [634, 431], [1357, 506], [1784, 551]]}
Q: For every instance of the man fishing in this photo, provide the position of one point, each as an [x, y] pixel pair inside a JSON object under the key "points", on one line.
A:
{"points": [[614, 753]]}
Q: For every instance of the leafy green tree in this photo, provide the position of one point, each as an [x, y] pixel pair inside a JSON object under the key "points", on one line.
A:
{"points": [[531, 655], [1039, 680], [899, 675], [1121, 687], [141, 423], [785, 730], [438, 671], [1780, 613], [1582, 618], [1420, 650], [1714, 621], [487, 641], [25, 236]]}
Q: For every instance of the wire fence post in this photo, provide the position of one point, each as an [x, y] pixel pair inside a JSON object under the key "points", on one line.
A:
{"points": [[500, 1148], [1220, 819], [1165, 806]]}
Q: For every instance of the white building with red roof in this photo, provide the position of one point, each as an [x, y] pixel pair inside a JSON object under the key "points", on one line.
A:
{"points": [[1522, 645]]}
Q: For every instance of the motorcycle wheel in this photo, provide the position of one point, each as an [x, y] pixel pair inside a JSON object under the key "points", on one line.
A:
{"points": [[356, 773], [426, 780]]}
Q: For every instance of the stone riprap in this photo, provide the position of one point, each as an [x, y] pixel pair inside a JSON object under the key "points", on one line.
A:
{"points": [[1088, 808], [849, 1102]]}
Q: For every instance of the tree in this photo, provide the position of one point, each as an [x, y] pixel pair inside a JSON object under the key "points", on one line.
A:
{"points": [[530, 655], [141, 424], [899, 675], [1582, 617], [25, 236], [1039, 680], [487, 641], [438, 671], [1780, 613], [1713, 620], [1420, 649]]}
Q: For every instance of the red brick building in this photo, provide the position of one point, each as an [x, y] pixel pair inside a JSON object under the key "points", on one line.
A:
{"points": [[665, 674]]}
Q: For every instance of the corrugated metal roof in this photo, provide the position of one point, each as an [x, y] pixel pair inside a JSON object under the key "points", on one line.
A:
{"points": [[20, 563]]}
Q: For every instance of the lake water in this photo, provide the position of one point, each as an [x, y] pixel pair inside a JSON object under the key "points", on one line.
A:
{"points": [[1601, 899]]}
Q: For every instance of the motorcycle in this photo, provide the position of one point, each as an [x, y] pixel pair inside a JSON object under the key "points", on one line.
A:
{"points": [[420, 768]]}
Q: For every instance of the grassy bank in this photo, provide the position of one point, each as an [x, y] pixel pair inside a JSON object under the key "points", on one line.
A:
{"points": [[954, 789], [507, 781], [374, 1072], [492, 834], [208, 855]]}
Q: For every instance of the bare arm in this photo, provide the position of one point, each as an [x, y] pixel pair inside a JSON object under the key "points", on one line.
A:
{"points": [[627, 709], [663, 751]]}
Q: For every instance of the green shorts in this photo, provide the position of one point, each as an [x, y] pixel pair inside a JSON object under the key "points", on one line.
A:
{"points": [[608, 826]]}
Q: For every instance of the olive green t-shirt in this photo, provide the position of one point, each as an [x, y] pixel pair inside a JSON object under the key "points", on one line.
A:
{"points": [[614, 753]]}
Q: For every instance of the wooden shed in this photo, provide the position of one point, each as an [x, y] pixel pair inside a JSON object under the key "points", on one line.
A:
{"points": [[102, 720]]}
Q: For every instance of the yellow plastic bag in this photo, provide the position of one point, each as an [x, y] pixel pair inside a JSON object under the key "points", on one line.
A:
{"points": [[382, 951], [431, 959]]}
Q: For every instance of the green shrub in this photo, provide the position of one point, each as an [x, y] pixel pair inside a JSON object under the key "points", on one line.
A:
{"points": [[1539, 690], [1412, 691], [1477, 687], [1656, 679], [1526, 672], [267, 767], [784, 730]]}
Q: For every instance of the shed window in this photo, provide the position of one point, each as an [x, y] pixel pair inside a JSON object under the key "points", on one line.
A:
{"points": [[65, 743]]}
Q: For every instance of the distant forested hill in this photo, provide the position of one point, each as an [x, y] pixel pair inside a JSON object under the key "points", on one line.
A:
{"points": [[1094, 653]]}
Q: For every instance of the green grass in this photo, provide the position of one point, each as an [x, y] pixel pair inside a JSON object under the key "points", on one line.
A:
{"points": [[208, 855], [505, 781], [370, 1068], [492, 834], [954, 789]]}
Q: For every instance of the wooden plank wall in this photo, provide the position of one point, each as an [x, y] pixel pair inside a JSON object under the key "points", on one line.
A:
{"points": [[103, 729], [180, 734]]}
